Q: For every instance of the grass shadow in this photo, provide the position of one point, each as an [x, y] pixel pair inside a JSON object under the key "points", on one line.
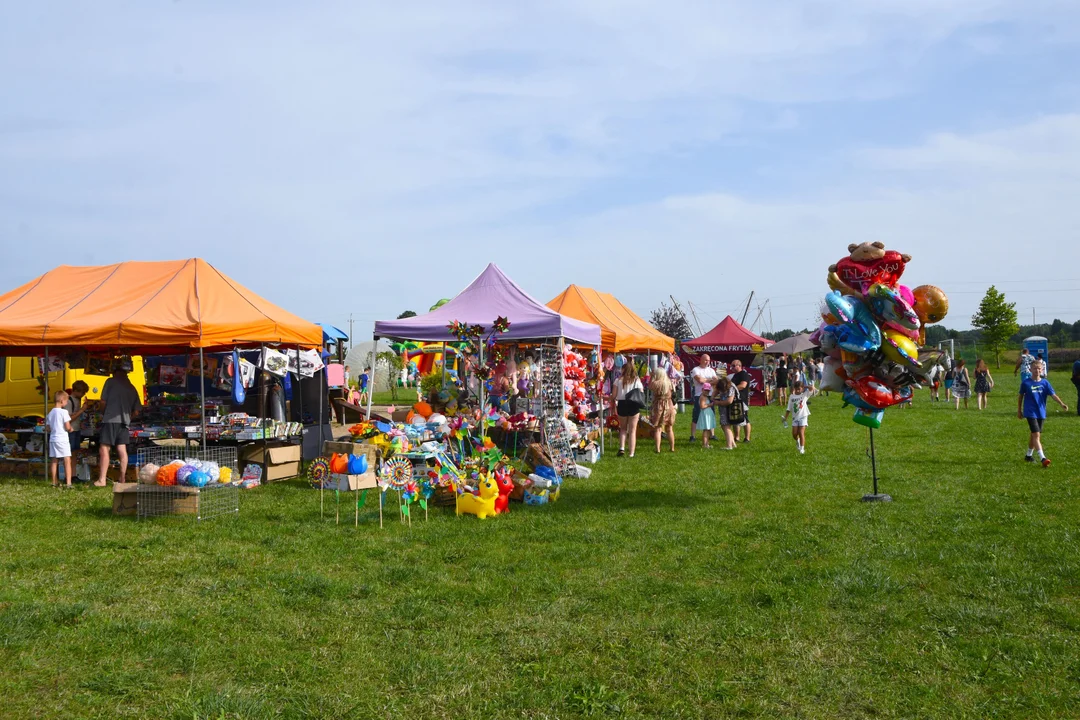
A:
{"points": [[581, 499]]}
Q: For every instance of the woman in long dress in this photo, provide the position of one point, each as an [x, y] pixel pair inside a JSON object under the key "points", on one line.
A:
{"points": [[984, 383], [662, 412]]}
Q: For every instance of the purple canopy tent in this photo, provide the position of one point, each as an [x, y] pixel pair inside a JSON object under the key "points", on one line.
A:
{"points": [[489, 296], [492, 294]]}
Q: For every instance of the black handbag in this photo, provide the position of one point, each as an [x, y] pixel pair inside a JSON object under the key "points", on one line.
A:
{"points": [[636, 397], [736, 412]]}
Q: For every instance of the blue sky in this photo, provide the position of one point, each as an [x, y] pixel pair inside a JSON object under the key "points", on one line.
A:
{"points": [[366, 158]]}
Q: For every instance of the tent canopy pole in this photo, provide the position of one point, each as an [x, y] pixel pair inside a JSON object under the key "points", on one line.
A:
{"points": [[371, 378], [202, 392], [45, 448]]}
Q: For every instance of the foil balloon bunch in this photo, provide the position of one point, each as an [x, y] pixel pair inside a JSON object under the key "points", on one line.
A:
{"points": [[873, 331]]}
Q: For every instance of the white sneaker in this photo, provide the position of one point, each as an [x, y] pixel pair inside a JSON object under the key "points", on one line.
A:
{"points": [[802, 450]]}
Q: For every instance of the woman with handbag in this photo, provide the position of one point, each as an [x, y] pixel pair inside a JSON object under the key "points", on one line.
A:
{"points": [[629, 400]]}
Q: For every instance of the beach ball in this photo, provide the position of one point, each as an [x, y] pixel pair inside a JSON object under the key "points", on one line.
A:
{"points": [[148, 474], [198, 479]]}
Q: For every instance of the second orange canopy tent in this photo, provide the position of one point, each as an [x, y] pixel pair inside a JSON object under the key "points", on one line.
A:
{"points": [[621, 329]]}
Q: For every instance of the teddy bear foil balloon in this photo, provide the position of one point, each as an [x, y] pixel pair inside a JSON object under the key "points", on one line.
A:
{"points": [[873, 329]]}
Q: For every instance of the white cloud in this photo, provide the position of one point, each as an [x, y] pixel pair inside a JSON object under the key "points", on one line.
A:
{"points": [[996, 207], [373, 140]]}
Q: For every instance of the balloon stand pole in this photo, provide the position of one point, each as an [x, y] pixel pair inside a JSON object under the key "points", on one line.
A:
{"points": [[876, 496], [356, 519]]}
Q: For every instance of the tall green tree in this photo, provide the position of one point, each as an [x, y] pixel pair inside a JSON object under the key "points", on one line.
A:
{"points": [[996, 319]]}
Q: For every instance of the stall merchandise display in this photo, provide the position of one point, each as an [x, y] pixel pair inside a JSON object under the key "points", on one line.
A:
{"points": [[424, 460], [553, 394]]}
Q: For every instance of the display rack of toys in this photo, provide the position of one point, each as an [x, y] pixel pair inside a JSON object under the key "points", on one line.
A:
{"points": [[554, 390], [873, 330], [437, 457]]}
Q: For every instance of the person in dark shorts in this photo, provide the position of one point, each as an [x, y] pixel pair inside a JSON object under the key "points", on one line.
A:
{"points": [[782, 380], [1031, 406], [120, 400]]}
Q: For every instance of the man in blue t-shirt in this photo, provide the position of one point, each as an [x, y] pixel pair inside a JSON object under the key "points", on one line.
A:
{"points": [[1032, 407]]}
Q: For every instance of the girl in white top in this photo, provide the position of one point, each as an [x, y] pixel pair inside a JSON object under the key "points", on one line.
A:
{"points": [[799, 411], [628, 411]]}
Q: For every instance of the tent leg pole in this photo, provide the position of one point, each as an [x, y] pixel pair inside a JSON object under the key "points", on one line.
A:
{"points": [[600, 395], [45, 392], [483, 393], [202, 393], [371, 378], [443, 364], [298, 396]]}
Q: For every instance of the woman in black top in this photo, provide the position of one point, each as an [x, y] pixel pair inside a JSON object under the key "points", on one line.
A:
{"points": [[781, 380]]}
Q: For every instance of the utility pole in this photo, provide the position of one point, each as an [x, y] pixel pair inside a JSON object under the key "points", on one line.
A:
{"points": [[1032, 316], [350, 330], [747, 309]]}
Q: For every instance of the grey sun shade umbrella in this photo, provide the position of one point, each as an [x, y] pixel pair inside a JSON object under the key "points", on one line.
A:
{"points": [[790, 346]]}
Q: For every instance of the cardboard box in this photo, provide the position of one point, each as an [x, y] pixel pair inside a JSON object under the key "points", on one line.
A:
{"points": [[279, 462], [354, 482], [173, 500], [113, 473], [124, 499]]}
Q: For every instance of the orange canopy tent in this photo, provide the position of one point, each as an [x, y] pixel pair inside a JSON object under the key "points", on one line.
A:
{"points": [[144, 307], [621, 329]]}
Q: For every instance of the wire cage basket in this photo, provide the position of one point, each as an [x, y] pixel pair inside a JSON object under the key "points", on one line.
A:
{"points": [[204, 503], [164, 454]]}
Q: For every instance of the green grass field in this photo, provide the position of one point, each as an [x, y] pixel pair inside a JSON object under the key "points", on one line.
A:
{"points": [[707, 584]]}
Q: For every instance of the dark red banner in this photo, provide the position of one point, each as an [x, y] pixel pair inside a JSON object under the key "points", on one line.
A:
{"points": [[757, 374]]}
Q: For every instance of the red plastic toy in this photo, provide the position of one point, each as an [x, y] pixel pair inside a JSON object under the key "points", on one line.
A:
{"points": [[505, 482]]}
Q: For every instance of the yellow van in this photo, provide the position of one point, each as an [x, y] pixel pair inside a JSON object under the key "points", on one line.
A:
{"points": [[21, 392]]}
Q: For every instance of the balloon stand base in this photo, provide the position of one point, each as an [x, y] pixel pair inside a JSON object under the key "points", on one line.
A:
{"points": [[880, 497]]}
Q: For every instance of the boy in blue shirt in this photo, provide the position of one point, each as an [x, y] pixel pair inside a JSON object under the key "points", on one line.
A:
{"points": [[1032, 407]]}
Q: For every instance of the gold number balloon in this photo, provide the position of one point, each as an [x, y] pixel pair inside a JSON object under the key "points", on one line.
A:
{"points": [[931, 303]]}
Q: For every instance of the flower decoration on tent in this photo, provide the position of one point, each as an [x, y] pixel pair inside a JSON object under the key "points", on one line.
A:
{"points": [[500, 325], [464, 332]]}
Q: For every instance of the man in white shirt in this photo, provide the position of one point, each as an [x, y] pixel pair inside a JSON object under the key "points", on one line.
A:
{"points": [[700, 375]]}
